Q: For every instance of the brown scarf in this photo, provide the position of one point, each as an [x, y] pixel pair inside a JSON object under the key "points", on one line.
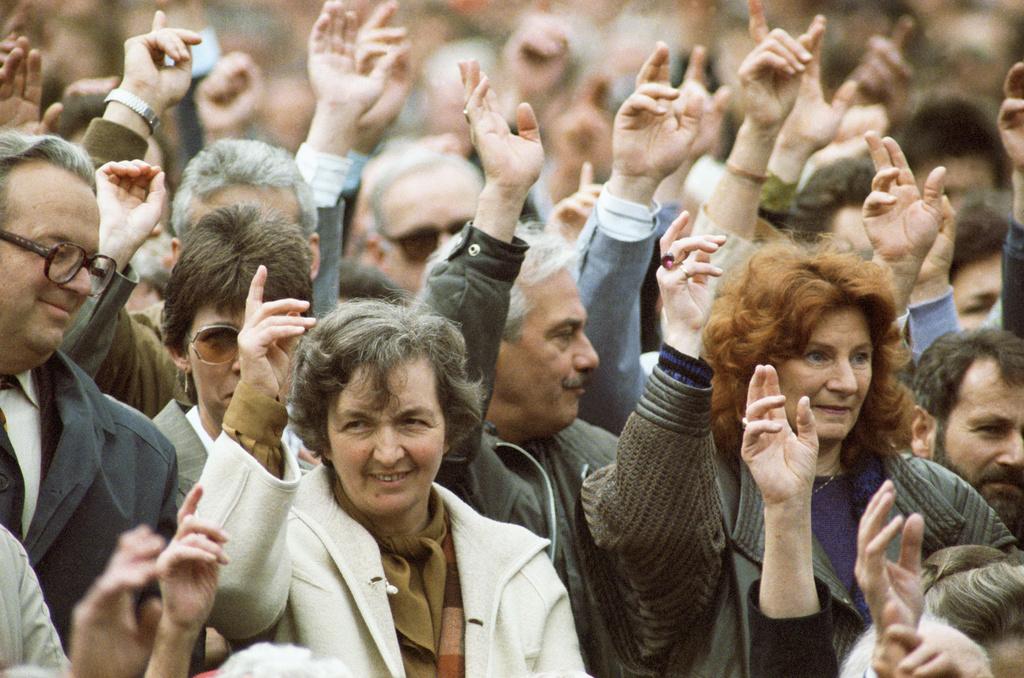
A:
{"points": [[428, 606]]}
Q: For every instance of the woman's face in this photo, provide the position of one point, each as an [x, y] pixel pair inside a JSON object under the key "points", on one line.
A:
{"points": [[387, 458], [834, 372]]}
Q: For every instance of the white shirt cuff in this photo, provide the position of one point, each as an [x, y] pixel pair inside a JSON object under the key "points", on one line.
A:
{"points": [[324, 172], [624, 220]]}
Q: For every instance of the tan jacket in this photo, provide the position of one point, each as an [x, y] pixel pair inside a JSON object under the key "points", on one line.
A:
{"points": [[303, 571]]}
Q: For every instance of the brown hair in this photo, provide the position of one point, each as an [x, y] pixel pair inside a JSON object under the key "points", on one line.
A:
{"points": [[766, 315]]}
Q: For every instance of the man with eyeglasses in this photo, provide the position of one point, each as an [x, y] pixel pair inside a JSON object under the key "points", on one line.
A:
{"points": [[76, 468], [419, 200]]}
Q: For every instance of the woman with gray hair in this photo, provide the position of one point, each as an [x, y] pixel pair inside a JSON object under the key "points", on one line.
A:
{"points": [[365, 558]]}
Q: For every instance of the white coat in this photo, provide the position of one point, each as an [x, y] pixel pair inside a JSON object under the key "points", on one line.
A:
{"points": [[302, 571]]}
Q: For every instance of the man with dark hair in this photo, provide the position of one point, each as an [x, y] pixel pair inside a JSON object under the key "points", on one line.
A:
{"points": [[970, 415], [831, 202], [976, 271], [76, 468], [961, 136], [204, 310]]}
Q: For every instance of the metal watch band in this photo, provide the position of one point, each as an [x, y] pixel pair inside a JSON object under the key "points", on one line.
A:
{"points": [[137, 104]]}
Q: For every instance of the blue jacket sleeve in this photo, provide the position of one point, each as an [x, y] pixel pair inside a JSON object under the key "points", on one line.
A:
{"points": [[1013, 279]]}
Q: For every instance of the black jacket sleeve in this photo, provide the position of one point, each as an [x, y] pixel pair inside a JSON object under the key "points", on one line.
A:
{"points": [[796, 647]]}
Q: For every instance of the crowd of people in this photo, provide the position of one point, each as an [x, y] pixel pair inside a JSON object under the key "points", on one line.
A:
{"points": [[470, 338]]}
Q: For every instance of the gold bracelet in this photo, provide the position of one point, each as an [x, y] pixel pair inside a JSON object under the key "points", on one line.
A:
{"points": [[745, 174]]}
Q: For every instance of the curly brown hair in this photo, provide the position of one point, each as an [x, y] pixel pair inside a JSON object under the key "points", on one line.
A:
{"points": [[766, 315]]}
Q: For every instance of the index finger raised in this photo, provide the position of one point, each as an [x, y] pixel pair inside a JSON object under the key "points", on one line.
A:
{"points": [[758, 25]]}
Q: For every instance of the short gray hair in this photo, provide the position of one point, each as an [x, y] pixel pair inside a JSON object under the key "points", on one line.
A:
{"points": [[404, 161], [265, 660], [241, 162], [17, 148], [367, 340], [548, 254]]}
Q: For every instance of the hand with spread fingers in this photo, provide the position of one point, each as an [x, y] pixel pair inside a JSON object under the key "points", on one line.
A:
{"points": [[883, 75], [902, 222], [936, 651], [781, 460], [228, 98], [21, 92], [883, 582], [512, 163], [770, 76], [377, 39], [814, 122], [683, 280], [267, 338], [652, 136], [131, 197], [536, 57], [583, 133], [346, 84]]}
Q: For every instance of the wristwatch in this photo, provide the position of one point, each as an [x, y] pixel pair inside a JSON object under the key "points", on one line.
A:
{"points": [[137, 104]]}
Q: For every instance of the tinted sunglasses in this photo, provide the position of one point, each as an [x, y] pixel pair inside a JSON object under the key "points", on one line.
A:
{"points": [[215, 344], [419, 244]]}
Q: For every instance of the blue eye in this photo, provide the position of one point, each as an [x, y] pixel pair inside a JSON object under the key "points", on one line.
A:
{"points": [[861, 359], [815, 357]]}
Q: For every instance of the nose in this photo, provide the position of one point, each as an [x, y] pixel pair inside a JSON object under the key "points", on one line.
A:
{"points": [[1013, 455], [843, 379], [81, 284], [585, 358], [387, 447]]}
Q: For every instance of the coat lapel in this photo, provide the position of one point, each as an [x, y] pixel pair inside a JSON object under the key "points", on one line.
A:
{"points": [[76, 458], [356, 555], [188, 447]]}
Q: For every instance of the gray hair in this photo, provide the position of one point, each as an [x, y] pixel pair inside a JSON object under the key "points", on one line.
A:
{"points": [[366, 339], [548, 254], [17, 148], [265, 660], [241, 162], [404, 161]]}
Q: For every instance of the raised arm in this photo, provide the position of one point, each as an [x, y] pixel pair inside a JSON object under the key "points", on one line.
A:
{"points": [[655, 133], [654, 535]]}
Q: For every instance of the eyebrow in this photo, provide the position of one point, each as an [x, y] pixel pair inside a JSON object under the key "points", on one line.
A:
{"points": [[571, 323]]}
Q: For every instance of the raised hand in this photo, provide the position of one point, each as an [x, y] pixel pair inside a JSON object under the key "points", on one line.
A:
{"points": [[511, 161], [227, 99], [21, 92], [933, 278], [583, 133], [814, 122], [901, 221], [652, 137], [892, 589], [189, 567], [683, 281], [131, 196], [345, 85], [781, 460], [770, 75], [883, 75], [146, 72], [267, 338], [110, 638], [1011, 116], [569, 215], [375, 39], [536, 56]]}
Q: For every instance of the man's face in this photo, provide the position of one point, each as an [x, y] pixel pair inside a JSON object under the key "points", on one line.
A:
{"points": [[48, 205], [976, 288], [421, 211], [540, 377], [983, 442]]}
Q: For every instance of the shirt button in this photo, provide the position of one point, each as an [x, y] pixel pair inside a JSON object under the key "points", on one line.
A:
{"points": [[474, 250]]}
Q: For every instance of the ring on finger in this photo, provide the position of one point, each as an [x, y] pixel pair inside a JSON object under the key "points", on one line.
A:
{"points": [[668, 261]]}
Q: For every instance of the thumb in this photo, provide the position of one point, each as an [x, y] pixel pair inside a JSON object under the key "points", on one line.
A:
{"points": [[51, 118]]}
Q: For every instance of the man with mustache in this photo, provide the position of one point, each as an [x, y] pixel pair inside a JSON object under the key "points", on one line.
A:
{"points": [[970, 415]]}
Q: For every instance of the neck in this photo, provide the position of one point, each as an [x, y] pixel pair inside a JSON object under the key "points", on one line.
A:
{"points": [[829, 463], [212, 426]]}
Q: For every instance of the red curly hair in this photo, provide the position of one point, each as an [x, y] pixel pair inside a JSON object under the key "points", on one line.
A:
{"points": [[766, 315]]}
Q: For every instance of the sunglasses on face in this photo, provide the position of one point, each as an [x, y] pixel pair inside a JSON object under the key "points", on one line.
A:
{"points": [[63, 261], [419, 244], [215, 344]]}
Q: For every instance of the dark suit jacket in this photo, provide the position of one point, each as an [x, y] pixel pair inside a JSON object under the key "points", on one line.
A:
{"points": [[110, 470]]}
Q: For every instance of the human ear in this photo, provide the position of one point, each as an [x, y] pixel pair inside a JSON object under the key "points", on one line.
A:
{"points": [[922, 432], [180, 360]]}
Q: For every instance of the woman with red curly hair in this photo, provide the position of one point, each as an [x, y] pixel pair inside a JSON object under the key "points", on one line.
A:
{"points": [[754, 464]]}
